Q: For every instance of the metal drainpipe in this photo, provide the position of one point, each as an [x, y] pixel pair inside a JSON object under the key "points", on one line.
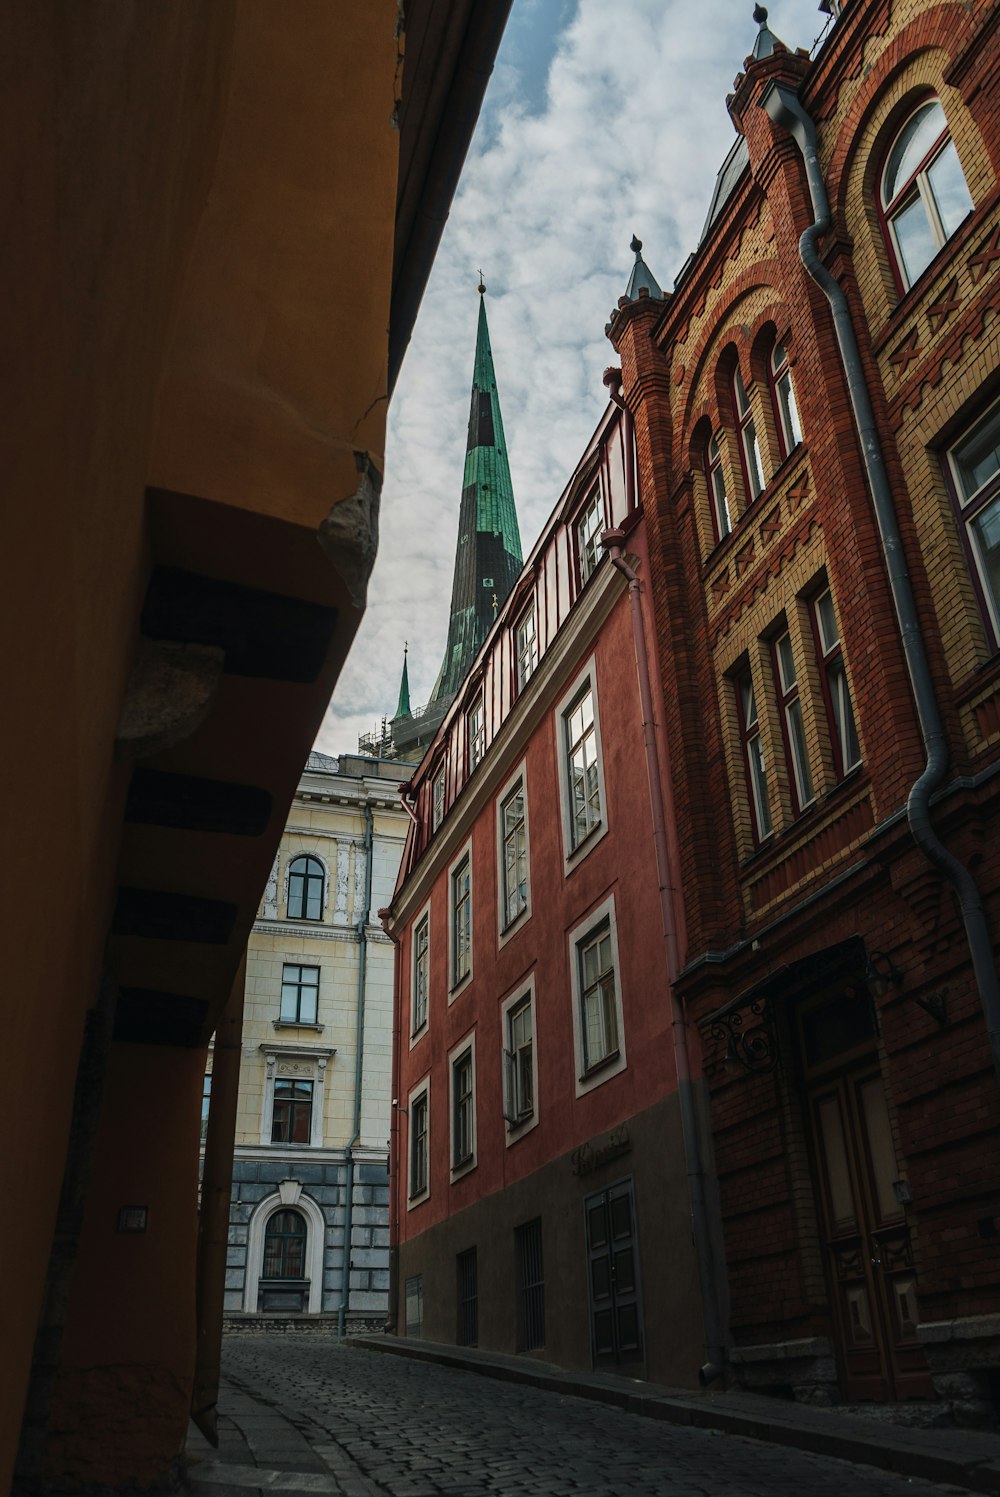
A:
{"points": [[784, 109], [708, 1272], [392, 1319], [345, 1272]]}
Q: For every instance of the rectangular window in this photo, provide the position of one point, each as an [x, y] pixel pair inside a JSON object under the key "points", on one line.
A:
{"points": [[598, 1010], [753, 470], [519, 1063], [975, 469], [421, 972], [461, 921], [475, 726], [792, 726], [588, 534], [721, 518], [514, 862], [291, 1121], [463, 1103], [530, 1286], [581, 759], [419, 1111], [846, 749], [206, 1098], [468, 1298], [754, 761], [299, 994], [437, 798], [526, 640]]}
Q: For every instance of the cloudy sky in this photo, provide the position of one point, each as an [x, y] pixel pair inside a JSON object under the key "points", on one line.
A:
{"points": [[601, 120]]}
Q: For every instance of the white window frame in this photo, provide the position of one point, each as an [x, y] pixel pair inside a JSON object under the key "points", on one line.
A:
{"points": [[507, 928], [523, 994], [575, 852], [417, 1031], [588, 542], [475, 732], [437, 800], [466, 1046], [526, 654], [786, 412], [422, 1089], [290, 1197], [290, 1063], [458, 984], [919, 187], [602, 916]]}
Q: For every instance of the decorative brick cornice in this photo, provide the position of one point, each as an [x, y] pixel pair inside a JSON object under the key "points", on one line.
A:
{"points": [[759, 581]]}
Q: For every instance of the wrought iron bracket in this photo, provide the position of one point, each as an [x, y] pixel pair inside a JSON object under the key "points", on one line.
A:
{"points": [[935, 1004], [748, 1036]]}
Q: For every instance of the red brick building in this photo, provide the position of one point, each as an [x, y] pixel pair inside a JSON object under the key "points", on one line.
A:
{"points": [[818, 441]]}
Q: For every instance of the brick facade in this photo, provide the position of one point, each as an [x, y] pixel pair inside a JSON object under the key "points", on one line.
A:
{"points": [[835, 899]]}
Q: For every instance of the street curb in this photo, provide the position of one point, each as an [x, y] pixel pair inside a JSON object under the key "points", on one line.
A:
{"points": [[884, 1448]]}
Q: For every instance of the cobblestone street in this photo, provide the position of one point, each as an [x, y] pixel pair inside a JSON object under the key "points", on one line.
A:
{"points": [[304, 1414]]}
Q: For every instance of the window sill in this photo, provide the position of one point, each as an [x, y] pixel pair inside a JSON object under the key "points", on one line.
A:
{"points": [[417, 1199], [465, 1167], [513, 926], [459, 987], [585, 846], [418, 1033], [612, 1058], [304, 919], [297, 1024]]}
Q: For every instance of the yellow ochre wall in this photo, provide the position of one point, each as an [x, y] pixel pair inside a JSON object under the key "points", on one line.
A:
{"points": [[204, 200]]}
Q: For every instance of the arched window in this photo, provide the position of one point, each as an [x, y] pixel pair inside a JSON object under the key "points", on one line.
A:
{"points": [[924, 197], [785, 410], [305, 889], [753, 471], [721, 518], [285, 1246]]}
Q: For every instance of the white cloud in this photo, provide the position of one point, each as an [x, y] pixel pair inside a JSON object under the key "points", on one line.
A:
{"points": [[628, 138]]}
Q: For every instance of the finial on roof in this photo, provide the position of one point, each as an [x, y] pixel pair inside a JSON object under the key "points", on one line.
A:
{"points": [[481, 288], [767, 43], [642, 281]]}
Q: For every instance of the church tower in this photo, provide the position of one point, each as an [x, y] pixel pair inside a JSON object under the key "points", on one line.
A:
{"points": [[487, 563], [488, 557]]}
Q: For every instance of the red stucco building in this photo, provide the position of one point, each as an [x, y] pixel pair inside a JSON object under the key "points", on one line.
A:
{"points": [[539, 1159]]}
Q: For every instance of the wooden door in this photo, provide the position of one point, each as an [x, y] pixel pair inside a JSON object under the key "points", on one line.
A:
{"points": [[866, 1239], [613, 1254]]}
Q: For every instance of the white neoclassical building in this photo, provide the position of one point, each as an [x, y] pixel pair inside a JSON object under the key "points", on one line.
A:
{"points": [[309, 1216]]}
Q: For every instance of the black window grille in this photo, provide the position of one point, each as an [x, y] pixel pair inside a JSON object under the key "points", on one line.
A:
{"points": [[468, 1299], [530, 1286]]}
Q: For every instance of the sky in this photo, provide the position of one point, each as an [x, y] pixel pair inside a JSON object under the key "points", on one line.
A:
{"points": [[601, 120]]}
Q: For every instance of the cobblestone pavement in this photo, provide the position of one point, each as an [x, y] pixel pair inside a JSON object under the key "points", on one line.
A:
{"points": [[355, 1422]]}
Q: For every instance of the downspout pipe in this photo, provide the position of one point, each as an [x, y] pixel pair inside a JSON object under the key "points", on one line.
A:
{"points": [[392, 1320], [785, 110], [709, 1278], [345, 1270]]}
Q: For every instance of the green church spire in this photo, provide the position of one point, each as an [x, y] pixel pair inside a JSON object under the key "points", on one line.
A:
{"points": [[488, 555], [403, 705]]}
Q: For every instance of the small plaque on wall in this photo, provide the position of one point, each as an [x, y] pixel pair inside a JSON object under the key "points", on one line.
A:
{"points": [[133, 1218]]}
